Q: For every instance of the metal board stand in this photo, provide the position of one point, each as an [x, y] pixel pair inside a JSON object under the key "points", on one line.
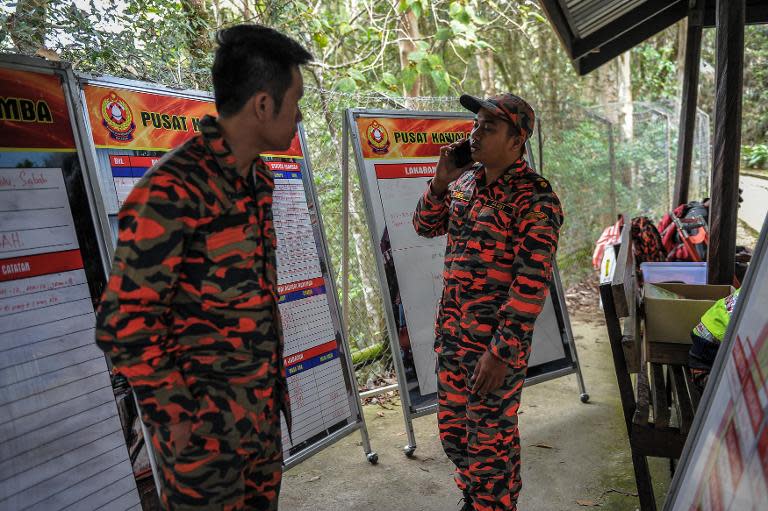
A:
{"points": [[428, 405]]}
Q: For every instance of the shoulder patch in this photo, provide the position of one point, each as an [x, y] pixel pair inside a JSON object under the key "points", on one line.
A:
{"points": [[460, 195], [543, 185], [535, 216]]}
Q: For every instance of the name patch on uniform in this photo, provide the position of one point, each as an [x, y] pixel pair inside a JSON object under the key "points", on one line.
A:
{"points": [[499, 206]]}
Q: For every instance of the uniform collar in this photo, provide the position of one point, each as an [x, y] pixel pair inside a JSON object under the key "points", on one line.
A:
{"points": [[519, 168], [515, 170], [218, 147]]}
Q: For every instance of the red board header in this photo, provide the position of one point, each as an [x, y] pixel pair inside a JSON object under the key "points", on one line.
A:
{"points": [[404, 170], [127, 119], [402, 137], [33, 112]]}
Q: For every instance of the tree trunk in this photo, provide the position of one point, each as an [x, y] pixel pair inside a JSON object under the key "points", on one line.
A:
{"points": [[487, 70], [27, 25], [199, 43], [626, 111], [624, 86], [408, 34]]}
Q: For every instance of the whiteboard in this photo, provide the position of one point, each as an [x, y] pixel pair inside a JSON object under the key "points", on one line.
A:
{"points": [[61, 442], [394, 170], [322, 388], [724, 465]]}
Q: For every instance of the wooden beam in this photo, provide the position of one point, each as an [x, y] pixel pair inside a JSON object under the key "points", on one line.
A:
{"points": [[688, 109], [622, 284], [619, 27], [725, 171], [756, 13], [612, 323], [631, 38]]}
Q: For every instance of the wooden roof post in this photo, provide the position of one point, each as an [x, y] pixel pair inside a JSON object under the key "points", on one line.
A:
{"points": [[727, 143], [688, 105]]}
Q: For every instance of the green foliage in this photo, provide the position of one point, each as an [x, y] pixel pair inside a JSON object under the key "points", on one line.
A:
{"points": [[755, 156]]}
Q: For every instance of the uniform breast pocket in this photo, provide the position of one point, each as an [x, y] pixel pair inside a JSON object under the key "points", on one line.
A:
{"points": [[458, 214], [493, 231], [232, 257]]}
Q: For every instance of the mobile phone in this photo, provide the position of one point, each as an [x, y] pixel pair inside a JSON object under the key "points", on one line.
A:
{"points": [[462, 154]]}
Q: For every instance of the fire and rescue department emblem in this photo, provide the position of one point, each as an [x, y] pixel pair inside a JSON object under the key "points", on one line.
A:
{"points": [[117, 117], [378, 138]]}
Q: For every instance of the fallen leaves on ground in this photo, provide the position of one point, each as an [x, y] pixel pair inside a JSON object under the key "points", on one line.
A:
{"points": [[587, 503]]}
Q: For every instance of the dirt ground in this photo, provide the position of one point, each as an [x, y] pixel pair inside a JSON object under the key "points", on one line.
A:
{"points": [[575, 456]]}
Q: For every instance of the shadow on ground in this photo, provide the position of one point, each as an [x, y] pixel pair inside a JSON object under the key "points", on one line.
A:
{"points": [[575, 456]]}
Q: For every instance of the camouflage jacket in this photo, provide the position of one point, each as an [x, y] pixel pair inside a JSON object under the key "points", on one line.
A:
{"points": [[502, 239], [190, 308]]}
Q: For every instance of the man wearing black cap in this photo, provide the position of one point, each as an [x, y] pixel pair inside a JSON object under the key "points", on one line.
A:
{"points": [[502, 221]]}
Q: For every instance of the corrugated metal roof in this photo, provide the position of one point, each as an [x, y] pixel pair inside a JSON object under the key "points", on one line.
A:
{"points": [[589, 16], [595, 31]]}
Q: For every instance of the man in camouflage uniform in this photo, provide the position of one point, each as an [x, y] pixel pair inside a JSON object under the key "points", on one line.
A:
{"points": [[190, 312], [502, 221]]}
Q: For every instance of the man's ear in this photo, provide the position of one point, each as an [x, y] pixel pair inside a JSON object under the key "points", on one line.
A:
{"points": [[262, 105], [517, 142]]}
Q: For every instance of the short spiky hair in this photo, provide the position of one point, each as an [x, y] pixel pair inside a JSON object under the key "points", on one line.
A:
{"points": [[251, 59]]}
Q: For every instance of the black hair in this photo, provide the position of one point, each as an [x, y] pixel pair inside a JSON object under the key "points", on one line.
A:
{"points": [[251, 59]]}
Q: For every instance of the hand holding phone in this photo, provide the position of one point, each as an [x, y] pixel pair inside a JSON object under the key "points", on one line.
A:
{"points": [[454, 160], [462, 154]]}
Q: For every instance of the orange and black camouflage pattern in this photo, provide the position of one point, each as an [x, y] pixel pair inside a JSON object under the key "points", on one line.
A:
{"points": [[190, 318], [502, 239]]}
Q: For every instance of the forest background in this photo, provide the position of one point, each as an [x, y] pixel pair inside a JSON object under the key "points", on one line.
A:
{"points": [[607, 141]]}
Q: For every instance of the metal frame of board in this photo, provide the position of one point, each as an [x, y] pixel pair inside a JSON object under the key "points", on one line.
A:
{"points": [[410, 412], [357, 417], [82, 146], [718, 370]]}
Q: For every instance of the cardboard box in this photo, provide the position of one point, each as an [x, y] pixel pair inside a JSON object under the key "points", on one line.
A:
{"points": [[671, 320]]}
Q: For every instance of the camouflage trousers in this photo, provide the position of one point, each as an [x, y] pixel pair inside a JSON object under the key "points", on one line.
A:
{"points": [[233, 458], [480, 435]]}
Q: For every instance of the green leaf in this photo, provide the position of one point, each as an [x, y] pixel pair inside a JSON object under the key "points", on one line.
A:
{"points": [[346, 84], [417, 56], [356, 75], [435, 61], [409, 76], [320, 39], [442, 81], [484, 45], [389, 78], [416, 9], [443, 34]]}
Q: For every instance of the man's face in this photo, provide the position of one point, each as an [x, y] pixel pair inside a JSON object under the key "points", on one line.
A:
{"points": [[279, 132], [490, 139]]}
